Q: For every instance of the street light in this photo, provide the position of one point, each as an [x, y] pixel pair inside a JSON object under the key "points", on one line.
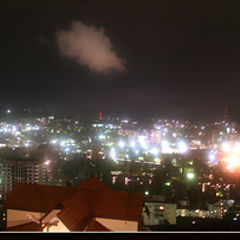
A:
{"points": [[190, 175]]}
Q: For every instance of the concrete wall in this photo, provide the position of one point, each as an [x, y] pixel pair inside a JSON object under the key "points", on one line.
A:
{"points": [[17, 217], [118, 225], [59, 228], [52, 216]]}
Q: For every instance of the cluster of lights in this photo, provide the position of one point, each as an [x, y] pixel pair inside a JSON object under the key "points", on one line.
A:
{"points": [[231, 156]]}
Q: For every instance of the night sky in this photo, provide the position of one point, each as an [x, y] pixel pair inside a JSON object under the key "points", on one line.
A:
{"points": [[174, 59]]}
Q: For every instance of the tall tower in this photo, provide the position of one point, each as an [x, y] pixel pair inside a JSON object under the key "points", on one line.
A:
{"points": [[226, 112], [100, 116]]}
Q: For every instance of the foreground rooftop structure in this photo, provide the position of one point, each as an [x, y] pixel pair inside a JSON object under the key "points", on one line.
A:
{"points": [[91, 206]]}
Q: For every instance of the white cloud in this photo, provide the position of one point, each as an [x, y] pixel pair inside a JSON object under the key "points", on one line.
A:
{"points": [[90, 47]]}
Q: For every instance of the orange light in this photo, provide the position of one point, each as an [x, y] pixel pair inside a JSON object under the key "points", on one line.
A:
{"points": [[232, 162]]}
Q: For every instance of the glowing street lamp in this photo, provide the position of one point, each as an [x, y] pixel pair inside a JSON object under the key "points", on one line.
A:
{"points": [[47, 162], [190, 175]]}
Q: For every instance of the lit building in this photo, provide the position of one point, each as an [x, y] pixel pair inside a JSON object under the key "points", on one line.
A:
{"points": [[14, 171], [156, 213]]}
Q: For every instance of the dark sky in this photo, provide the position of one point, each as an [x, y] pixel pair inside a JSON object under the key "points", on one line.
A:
{"points": [[181, 57]]}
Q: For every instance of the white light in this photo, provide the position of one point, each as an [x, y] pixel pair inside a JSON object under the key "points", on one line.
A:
{"points": [[212, 156], [133, 144], [66, 149], [182, 147], [121, 144], [54, 141], [226, 147], [190, 175], [146, 193], [101, 137], [113, 154], [237, 148], [47, 163], [228, 130], [8, 111], [165, 146], [142, 141], [174, 134], [154, 151], [62, 144]]}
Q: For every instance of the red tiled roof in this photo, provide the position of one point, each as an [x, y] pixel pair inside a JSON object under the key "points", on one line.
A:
{"points": [[93, 183], [120, 205], [38, 198], [105, 204], [32, 227], [95, 226], [80, 205], [76, 214]]}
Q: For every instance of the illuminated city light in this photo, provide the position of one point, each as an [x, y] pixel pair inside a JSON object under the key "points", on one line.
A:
{"points": [[233, 162], [47, 162], [101, 136], [212, 157], [182, 147], [63, 143], [8, 111], [168, 184], [54, 141], [121, 144], [146, 193], [133, 144], [190, 175], [113, 154], [165, 146], [154, 151], [237, 148], [142, 141], [66, 149], [226, 147]]}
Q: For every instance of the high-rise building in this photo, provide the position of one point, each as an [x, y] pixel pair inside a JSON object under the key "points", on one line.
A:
{"points": [[15, 171]]}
